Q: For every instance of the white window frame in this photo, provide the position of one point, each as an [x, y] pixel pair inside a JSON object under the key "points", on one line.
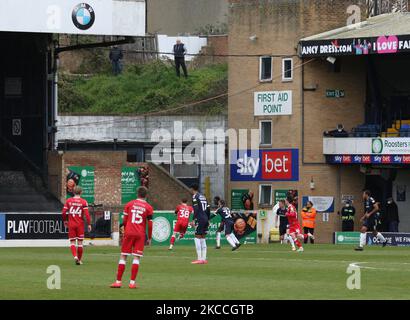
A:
{"points": [[260, 69], [260, 133], [284, 78], [260, 194]]}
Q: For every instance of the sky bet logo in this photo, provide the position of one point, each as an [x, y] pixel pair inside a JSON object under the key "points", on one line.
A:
{"points": [[265, 165]]}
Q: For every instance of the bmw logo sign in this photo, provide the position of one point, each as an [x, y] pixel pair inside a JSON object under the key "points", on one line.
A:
{"points": [[83, 16]]}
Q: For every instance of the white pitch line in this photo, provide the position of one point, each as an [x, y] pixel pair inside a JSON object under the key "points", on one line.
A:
{"points": [[278, 259]]}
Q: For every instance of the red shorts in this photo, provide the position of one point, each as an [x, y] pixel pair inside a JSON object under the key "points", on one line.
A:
{"points": [[181, 227], [294, 229], [133, 244], [76, 232]]}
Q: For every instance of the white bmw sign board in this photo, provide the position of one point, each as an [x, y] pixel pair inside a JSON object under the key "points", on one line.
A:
{"points": [[273, 103], [96, 17]]}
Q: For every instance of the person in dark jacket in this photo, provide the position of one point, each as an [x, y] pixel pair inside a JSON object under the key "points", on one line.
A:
{"points": [[348, 213], [179, 56], [392, 215], [116, 57]]}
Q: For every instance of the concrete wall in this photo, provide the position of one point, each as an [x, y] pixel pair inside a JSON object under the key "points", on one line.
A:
{"points": [[193, 45], [174, 17], [278, 26], [132, 128]]}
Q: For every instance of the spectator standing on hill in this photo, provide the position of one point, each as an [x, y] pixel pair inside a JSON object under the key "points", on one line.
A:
{"points": [[179, 56], [115, 58]]}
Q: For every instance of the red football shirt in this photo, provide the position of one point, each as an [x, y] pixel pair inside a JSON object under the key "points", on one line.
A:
{"points": [[292, 216], [184, 212], [76, 208], [136, 214]]}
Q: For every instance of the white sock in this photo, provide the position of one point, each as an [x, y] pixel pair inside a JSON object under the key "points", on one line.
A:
{"points": [[291, 241], [218, 239], [380, 237], [362, 239], [198, 248], [234, 238], [230, 240], [203, 249]]}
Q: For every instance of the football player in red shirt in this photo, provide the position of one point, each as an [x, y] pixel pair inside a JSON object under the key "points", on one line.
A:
{"points": [[294, 226], [73, 213], [137, 214], [183, 212]]}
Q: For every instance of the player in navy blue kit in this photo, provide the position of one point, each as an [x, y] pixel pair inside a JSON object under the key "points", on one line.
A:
{"points": [[228, 223], [202, 214], [370, 219], [221, 226]]}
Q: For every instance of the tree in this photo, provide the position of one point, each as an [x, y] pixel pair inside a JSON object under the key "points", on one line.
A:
{"points": [[386, 6]]}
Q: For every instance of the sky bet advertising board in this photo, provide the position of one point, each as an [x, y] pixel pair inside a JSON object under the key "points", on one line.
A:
{"points": [[265, 165]]}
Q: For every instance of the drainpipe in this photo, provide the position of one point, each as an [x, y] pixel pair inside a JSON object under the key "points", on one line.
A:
{"points": [[55, 97]]}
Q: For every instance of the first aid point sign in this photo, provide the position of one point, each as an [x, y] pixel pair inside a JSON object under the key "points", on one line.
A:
{"points": [[273, 103]]}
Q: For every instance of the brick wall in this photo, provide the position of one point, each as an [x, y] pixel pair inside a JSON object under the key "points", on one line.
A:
{"points": [[278, 27], [165, 192]]}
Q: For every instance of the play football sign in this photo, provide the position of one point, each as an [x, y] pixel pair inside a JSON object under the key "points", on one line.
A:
{"points": [[273, 103]]}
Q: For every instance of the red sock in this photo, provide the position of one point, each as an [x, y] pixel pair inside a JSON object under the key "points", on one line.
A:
{"points": [[73, 250], [298, 243], [134, 271], [80, 252], [305, 236], [121, 269], [181, 235], [172, 240]]}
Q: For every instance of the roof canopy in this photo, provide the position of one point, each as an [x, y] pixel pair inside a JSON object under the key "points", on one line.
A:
{"points": [[384, 34], [96, 17]]}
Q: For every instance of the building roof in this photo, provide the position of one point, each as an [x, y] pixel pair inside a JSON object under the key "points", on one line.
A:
{"points": [[385, 24]]}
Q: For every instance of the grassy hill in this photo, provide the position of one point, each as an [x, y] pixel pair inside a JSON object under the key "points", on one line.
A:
{"points": [[144, 88]]}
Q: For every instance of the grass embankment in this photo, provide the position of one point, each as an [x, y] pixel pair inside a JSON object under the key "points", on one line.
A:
{"points": [[144, 89]]}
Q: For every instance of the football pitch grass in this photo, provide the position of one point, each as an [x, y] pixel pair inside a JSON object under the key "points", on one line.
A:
{"points": [[252, 272]]}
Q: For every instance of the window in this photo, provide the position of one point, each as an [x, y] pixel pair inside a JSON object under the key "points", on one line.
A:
{"points": [[287, 69], [265, 69], [185, 170], [265, 194], [265, 132]]}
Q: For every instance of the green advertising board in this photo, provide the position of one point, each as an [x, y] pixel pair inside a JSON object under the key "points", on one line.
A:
{"points": [[163, 226], [236, 199], [352, 238], [280, 195], [130, 181], [86, 175]]}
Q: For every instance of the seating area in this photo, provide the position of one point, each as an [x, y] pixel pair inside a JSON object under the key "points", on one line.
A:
{"points": [[398, 129], [366, 130]]}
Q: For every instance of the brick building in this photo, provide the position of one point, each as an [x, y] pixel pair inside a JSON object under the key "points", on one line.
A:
{"points": [[292, 98]]}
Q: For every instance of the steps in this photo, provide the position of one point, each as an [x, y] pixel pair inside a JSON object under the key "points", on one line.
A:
{"points": [[17, 195]]}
